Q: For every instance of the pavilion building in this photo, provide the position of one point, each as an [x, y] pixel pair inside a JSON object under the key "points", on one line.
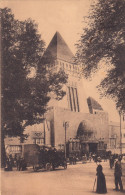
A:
{"points": [[74, 117]]}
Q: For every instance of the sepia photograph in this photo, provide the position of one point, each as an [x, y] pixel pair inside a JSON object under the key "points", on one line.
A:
{"points": [[62, 67]]}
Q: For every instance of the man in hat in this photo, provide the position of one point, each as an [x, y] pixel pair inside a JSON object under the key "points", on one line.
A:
{"points": [[118, 174]]}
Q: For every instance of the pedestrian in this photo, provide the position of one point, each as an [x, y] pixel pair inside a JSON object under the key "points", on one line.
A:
{"points": [[8, 164], [111, 161], [101, 182], [118, 175], [74, 159], [95, 159], [90, 157], [105, 158], [18, 163]]}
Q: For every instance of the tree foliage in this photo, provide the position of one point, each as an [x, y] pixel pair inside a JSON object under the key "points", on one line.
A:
{"points": [[26, 77], [103, 40]]}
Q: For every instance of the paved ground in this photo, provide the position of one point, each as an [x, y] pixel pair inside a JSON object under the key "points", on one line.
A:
{"points": [[76, 180]]}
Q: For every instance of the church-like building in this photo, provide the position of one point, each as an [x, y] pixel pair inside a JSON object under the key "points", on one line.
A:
{"points": [[76, 120]]}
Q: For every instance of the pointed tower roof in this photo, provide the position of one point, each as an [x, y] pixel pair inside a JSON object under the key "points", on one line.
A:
{"points": [[93, 104], [59, 49]]}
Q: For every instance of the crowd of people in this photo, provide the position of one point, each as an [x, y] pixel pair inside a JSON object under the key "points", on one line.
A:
{"points": [[16, 161]]}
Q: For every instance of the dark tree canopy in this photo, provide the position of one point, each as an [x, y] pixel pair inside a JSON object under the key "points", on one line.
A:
{"points": [[26, 77], [103, 40]]}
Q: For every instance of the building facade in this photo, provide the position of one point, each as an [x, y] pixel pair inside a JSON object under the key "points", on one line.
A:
{"points": [[86, 119], [114, 137]]}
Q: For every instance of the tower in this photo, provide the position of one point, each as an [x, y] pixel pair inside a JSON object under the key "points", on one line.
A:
{"points": [[74, 99]]}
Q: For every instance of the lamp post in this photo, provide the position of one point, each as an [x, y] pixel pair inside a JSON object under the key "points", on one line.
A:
{"points": [[65, 125], [120, 114], [44, 130]]}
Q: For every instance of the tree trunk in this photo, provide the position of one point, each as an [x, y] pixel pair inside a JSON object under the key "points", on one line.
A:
{"points": [[3, 153]]}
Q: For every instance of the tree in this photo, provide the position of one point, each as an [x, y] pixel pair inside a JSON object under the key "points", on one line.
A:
{"points": [[103, 41], [26, 77]]}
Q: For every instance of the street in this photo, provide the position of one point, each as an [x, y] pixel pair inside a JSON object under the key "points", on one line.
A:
{"points": [[75, 180]]}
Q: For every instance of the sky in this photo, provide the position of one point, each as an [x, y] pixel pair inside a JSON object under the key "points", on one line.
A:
{"points": [[65, 16]]}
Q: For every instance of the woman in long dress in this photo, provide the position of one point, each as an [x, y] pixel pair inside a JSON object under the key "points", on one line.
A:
{"points": [[101, 182]]}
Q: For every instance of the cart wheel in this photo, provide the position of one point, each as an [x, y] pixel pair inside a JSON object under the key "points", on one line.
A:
{"points": [[65, 165], [48, 166]]}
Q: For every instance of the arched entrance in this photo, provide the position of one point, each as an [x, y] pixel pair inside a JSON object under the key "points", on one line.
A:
{"points": [[86, 135], [93, 147]]}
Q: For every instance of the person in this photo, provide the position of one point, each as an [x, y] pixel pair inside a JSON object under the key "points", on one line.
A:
{"points": [[105, 158], [101, 182], [90, 157], [111, 161], [8, 164], [99, 159], [18, 163], [74, 159], [84, 159], [95, 159], [118, 175], [71, 159]]}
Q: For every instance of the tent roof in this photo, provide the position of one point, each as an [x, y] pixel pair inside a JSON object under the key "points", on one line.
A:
{"points": [[59, 49]]}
